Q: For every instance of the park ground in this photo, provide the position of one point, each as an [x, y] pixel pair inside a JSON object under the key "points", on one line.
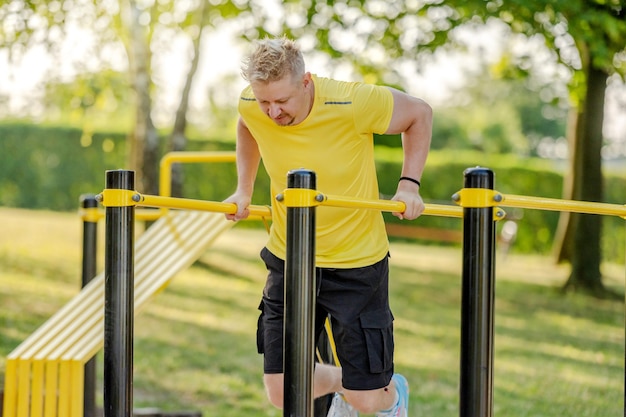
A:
{"points": [[555, 354]]}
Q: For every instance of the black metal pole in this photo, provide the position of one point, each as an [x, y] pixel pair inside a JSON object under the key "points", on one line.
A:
{"points": [[119, 300], [299, 337], [90, 246], [476, 385]]}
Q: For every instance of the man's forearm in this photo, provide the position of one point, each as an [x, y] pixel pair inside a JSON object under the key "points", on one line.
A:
{"points": [[416, 144], [248, 160]]}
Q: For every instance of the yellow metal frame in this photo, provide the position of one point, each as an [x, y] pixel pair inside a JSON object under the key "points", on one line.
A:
{"points": [[165, 173], [303, 197], [45, 374], [480, 197], [553, 204], [200, 205], [91, 215]]}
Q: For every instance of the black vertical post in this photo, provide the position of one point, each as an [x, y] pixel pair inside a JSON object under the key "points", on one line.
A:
{"points": [[299, 337], [119, 300], [477, 309], [90, 246]]}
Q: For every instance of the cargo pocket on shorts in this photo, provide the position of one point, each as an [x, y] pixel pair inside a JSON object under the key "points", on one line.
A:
{"points": [[378, 331]]}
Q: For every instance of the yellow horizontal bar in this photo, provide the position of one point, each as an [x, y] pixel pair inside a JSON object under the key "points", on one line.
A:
{"points": [[95, 214], [209, 156], [563, 205], [148, 214], [201, 205], [389, 205], [92, 215], [443, 210]]}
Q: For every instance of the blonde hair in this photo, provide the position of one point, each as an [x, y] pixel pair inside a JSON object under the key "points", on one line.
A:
{"points": [[272, 60]]}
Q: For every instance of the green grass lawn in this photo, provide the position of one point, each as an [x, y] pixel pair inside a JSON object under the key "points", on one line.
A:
{"points": [[555, 355]]}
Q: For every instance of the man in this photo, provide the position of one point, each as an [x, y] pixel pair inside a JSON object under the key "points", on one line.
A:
{"points": [[292, 119]]}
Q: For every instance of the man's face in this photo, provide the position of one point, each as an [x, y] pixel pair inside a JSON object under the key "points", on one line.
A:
{"points": [[287, 101]]}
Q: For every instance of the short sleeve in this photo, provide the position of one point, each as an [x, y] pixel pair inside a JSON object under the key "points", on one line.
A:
{"points": [[373, 108]]}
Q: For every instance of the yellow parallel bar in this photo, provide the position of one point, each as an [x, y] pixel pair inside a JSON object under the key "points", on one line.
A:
{"points": [[148, 214], [92, 215], [165, 174], [563, 205], [202, 205], [389, 205]]}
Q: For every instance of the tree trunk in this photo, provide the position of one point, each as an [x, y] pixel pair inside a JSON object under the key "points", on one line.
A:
{"points": [[178, 140], [581, 233], [563, 240], [144, 141]]}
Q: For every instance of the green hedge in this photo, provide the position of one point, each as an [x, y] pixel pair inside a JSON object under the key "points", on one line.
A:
{"points": [[51, 167]]}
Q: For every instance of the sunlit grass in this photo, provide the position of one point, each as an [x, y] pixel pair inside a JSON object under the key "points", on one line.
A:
{"points": [[195, 343]]}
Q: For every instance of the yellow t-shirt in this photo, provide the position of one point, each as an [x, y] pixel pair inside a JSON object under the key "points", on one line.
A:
{"points": [[336, 142]]}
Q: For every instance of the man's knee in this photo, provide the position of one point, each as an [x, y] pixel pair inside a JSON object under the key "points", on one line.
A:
{"points": [[366, 402]]}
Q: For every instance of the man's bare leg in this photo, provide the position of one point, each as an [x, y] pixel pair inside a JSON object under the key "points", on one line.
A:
{"points": [[326, 380]]}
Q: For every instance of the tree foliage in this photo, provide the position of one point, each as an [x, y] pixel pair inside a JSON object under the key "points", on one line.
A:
{"points": [[120, 40], [586, 37], [373, 33]]}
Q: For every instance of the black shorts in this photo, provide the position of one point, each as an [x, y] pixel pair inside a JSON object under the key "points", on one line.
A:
{"points": [[357, 300]]}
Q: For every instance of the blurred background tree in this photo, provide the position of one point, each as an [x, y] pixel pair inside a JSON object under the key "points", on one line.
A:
{"points": [[122, 37], [584, 37]]}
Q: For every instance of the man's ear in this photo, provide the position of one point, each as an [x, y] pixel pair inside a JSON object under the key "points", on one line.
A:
{"points": [[306, 79]]}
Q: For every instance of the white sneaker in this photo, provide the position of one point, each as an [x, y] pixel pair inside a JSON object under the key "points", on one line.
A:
{"points": [[341, 408]]}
